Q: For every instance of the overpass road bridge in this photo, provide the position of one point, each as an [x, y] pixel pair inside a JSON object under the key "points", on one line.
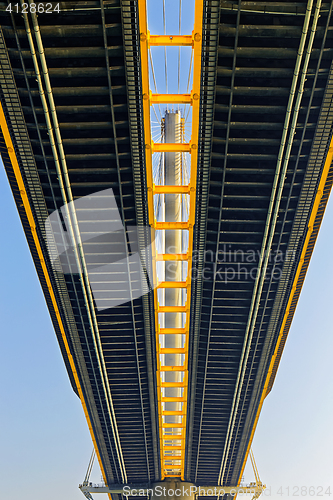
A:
{"points": [[171, 268]]}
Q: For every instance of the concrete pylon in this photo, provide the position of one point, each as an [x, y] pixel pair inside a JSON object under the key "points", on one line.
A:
{"points": [[173, 272]]}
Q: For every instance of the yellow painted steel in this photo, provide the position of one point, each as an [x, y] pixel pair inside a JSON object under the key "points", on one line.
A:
{"points": [[173, 384], [173, 447], [171, 309], [172, 256], [173, 284], [162, 147], [173, 426], [28, 211], [170, 99], [173, 350], [170, 40], [173, 400], [166, 331], [172, 225], [197, 44], [144, 35], [168, 368], [171, 189], [172, 456], [296, 288]]}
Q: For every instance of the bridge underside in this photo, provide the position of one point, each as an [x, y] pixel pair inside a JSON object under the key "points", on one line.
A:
{"points": [[239, 323], [248, 65]]}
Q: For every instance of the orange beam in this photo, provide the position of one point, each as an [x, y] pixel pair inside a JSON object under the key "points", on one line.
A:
{"points": [[165, 331], [171, 256], [173, 437], [180, 399], [174, 384], [175, 309], [177, 147], [173, 413], [170, 99], [173, 350], [146, 105], [173, 368], [168, 426], [174, 448], [172, 189], [171, 40], [173, 284], [171, 225], [197, 49]]}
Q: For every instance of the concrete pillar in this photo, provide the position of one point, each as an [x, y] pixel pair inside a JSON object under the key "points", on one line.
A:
{"points": [[173, 272]]}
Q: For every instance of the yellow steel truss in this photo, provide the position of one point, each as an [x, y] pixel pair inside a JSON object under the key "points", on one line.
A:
{"points": [[172, 435], [170, 99], [162, 147], [172, 189], [167, 40]]}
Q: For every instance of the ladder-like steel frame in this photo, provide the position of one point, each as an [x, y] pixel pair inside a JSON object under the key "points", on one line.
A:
{"points": [[172, 465]]}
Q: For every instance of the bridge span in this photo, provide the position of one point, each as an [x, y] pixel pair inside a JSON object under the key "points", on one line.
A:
{"points": [[171, 268]]}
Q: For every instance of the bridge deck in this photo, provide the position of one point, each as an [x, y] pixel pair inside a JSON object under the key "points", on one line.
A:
{"points": [[238, 324]]}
